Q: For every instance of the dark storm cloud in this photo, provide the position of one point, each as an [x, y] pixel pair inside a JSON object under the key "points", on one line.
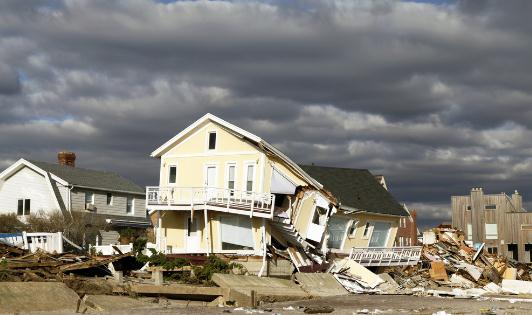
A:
{"points": [[436, 97]]}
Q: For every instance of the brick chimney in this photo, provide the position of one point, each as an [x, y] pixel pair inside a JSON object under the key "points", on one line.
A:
{"points": [[66, 158]]}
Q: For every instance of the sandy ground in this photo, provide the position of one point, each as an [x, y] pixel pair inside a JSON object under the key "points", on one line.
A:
{"points": [[353, 304]]}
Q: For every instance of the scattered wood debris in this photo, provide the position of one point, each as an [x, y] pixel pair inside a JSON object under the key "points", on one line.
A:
{"points": [[18, 264]]}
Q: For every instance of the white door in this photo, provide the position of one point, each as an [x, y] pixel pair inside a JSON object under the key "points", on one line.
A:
{"points": [[193, 235], [210, 182]]}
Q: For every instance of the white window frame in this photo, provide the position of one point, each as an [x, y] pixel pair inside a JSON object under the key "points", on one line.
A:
{"points": [[369, 228], [372, 225], [352, 223], [132, 205], [344, 238], [92, 199], [205, 167], [227, 166], [469, 231], [245, 176], [168, 174], [107, 198], [208, 135], [24, 210], [255, 250], [491, 236]]}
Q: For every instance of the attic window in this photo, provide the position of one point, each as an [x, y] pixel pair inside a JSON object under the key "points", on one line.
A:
{"points": [[212, 140], [491, 207]]}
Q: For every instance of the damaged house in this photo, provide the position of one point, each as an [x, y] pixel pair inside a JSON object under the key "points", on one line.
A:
{"points": [[30, 187], [223, 190], [368, 216]]}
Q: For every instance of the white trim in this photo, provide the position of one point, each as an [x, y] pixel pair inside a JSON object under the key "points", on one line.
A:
{"points": [[132, 205], [262, 144], [261, 174], [226, 177], [212, 153], [372, 228], [22, 162], [245, 175], [207, 136], [159, 151], [170, 165], [206, 165]]}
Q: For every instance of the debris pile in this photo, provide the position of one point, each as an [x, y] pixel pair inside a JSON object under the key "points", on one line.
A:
{"points": [[18, 264], [450, 263]]}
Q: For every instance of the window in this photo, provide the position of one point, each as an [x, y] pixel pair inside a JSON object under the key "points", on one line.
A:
{"points": [[491, 231], [109, 199], [468, 208], [379, 234], [23, 207], [249, 177], [336, 228], [236, 233], [469, 232], [212, 140], [231, 170], [20, 209], [353, 228], [319, 216], [89, 197], [491, 207], [172, 174], [130, 205], [493, 250], [402, 222], [367, 229]]}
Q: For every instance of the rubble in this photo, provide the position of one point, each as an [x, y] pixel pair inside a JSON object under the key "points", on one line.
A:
{"points": [[449, 266], [18, 264]]}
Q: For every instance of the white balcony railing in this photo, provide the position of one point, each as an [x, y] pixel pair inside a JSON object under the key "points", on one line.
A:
{"points": [[229, 199], [386, 256]]}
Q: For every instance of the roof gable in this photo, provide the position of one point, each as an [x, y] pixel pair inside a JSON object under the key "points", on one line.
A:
{"points": [[356, 188], [263, 145], [205, 118], [80, 177]]}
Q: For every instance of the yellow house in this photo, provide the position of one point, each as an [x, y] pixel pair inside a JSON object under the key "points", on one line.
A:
{"points": [[368, 215], [223, 190]]}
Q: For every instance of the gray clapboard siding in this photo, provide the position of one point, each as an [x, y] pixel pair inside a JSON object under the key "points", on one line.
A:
{"points": [[118, 206]]}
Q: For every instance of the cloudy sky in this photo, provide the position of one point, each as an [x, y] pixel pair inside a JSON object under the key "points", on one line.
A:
{"points": [[435, 95]]}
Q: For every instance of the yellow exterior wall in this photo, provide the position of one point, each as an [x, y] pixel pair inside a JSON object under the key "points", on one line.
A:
{"points": [[191, 156], [174, 227], [358, 239]]}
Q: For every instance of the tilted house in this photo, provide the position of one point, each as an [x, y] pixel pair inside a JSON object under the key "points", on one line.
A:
{"points": [[368, 215], [223, 190], [29, 186]]}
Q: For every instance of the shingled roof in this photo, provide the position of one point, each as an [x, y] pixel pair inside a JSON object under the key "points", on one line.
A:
{"points": [[81, 177], [356, 188]]}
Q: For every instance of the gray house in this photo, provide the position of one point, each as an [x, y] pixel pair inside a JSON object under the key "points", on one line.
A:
{"points": [[30, 186]]}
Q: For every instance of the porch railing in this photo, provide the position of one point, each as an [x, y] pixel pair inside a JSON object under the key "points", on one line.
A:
{"points": [[218, 197], [48, 242], [386, 256]]}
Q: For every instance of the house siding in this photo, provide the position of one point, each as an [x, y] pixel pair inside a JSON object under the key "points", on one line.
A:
{"points": [[118, 206], [26, 184]]}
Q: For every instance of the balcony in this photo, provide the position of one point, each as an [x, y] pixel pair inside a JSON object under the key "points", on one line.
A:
{"points": [[216, 199], [386, 256]]}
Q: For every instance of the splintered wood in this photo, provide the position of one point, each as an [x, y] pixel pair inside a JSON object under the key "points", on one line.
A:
{"points": [[17, 264]]}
